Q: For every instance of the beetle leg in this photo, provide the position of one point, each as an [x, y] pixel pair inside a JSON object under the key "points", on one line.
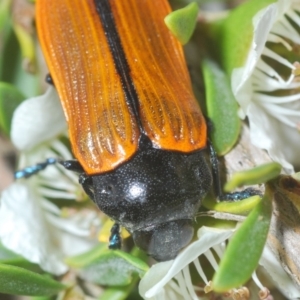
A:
{"points": [[49, 79], [115, 239], [32, 170], [215, 170], [235, 196]]}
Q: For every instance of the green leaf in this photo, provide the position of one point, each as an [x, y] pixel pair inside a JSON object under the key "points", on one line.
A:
{"points": [[11, 62], [6, 254], [26, 42], [257, 175], [18, 281], [106, 267], [5, 28], [182, 22], [118, 292], [10, 258], [4, 13], [233, 35], [86, 258], [241, 207], [10, 98], [245, 248], [42, 298], [114, 268], [221, 108]]}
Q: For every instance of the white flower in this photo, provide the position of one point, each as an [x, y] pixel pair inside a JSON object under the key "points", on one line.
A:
{"points": [[171, 280], [31, 225], [154, 282], [266, 87], [38, 120]]}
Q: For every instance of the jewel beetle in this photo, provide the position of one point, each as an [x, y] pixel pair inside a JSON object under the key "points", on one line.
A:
{"points": [[136, 129]]}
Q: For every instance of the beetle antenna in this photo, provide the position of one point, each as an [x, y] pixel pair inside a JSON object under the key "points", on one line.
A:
{"points": [[32, 170]]}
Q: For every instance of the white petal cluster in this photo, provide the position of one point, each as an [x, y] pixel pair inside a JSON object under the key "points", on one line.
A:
{"points": [[30, 224], [267, 87], [172, 279], [159, 283]]}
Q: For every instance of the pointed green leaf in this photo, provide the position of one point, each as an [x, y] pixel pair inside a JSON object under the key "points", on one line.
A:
{"points": [[6, 254], [245, 248], [114, 268], [106, 267], [118, 292], [10, 258], [233, 35], [242, 207], [5, 29], [182, 22], [4, 13], [42, 298], [86, 258], [18, 281], [26, 42], [10, 98], [257, 175], [221, 108]]}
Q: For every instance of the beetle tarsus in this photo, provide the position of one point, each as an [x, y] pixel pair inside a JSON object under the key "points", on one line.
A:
{"points": [[115, 240], [237, 196]]}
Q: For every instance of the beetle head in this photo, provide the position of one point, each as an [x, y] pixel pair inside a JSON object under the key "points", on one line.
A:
{"points": [[164, 241]]}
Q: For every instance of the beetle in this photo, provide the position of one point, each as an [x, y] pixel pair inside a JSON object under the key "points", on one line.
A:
{"points": [[136, 129]]}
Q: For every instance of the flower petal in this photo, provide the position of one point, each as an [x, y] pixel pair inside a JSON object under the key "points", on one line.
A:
{"points": [[37, 120], [267, 133], [160, 274], [25, 231], [240, 80]]}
